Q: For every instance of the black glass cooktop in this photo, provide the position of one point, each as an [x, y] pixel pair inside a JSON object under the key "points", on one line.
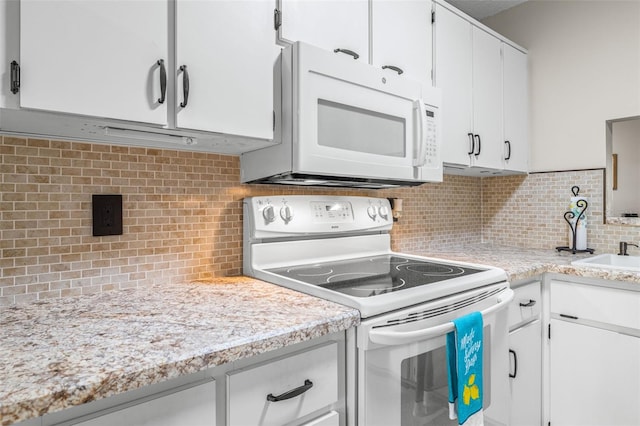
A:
{"points": [[370, 276]]}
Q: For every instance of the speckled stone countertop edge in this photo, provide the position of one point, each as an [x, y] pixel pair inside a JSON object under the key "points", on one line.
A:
{"points": [[521, 263], [50, 391], [113, 384]]}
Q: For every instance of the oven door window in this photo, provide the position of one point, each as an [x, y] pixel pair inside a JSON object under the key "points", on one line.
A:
{"points": [[409, 383]]}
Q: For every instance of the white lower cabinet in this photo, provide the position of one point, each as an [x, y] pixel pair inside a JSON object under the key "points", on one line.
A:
{"points": [[330, 419], [595, 378], [194, 406], [298, 385], [594, 355], [282, 391], [525, 356]]}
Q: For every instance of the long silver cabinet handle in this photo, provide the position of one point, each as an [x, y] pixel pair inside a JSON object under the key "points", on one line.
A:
{"points": [[185, 86], [15, 77], [508, 144], [472, 143], [515, 364], [395, 338], [163, 81]]}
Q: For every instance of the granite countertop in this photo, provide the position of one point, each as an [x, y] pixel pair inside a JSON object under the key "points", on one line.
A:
{"points": [[64, 352], [521, 263]]}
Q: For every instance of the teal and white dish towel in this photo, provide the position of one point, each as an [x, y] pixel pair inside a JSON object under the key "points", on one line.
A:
{"points": [[464, 365]]}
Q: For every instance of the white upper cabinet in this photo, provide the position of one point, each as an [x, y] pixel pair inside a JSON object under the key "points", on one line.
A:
{"points": [[129, 60], [453, 74], [484, 97], [227, 49], [329, 24], [487, 100], [97, 58], [401, 33], [516, 117]]}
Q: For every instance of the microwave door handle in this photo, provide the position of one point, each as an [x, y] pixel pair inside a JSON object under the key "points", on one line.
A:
{"points": [[396, 338], [420, 145]]}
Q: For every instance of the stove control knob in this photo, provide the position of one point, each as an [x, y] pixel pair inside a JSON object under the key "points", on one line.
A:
{"points": [[383, 211], [372, 212], [268, 214], [286, 213]]}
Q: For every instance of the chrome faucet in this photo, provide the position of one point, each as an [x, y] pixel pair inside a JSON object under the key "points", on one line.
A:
{"points": [[623, 248]]}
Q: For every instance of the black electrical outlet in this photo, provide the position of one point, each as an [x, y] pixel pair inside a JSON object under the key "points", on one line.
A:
{"points": [[107, 215]]}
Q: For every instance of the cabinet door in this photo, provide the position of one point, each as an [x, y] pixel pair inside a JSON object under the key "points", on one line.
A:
{"points": [[401, 37], [526, 365], [9, 49], [195, 406], [330, 419], [453, 62], [487, 100], [594, 377], [515, 106], [229, 50], [329, 24], [97, 58]]}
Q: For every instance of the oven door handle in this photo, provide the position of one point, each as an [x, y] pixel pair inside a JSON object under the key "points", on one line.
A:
{"points": [[393, 338]]}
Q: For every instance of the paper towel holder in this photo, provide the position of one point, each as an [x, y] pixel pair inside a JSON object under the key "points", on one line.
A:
{"points": [[568, 216]]}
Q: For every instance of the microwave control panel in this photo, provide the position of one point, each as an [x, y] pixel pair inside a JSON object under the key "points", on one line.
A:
{"points": [[432, 145]]}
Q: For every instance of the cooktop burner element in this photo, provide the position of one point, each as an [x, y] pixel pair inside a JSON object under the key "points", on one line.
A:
{"points": [[371, 276]]}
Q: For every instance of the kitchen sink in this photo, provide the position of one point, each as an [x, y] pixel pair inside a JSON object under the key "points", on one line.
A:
{"points": [[610, 261]]}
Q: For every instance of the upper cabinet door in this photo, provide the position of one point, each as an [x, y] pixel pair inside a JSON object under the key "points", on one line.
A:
{"points": [[487, 100], [402, 37], [329, 24], [225, 53], [454, 76], [515, 101], [97, 58]]}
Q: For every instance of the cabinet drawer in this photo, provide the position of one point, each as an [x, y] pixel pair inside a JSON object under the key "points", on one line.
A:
{"points": [[603, 304], [526, 304], [330, 419], [248, 388], [194, 406]]}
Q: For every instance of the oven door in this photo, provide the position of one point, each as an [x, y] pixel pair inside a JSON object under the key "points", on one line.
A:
{"points": [[402, 374], [355, 119]]}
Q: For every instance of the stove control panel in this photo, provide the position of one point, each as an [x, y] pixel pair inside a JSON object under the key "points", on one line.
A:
{"points": [[291, 215]]}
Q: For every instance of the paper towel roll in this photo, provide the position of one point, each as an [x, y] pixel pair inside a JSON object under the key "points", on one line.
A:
{"points": [[581, 229]]}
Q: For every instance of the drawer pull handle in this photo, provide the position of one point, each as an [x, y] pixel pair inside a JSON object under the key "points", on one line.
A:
{"points": [[529, 304], [569, 316], [308, 384], [393, 68], [515, 364], [347, 52]]}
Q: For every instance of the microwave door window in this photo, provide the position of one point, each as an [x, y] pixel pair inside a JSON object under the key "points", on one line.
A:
{"points": [[360, 130]]}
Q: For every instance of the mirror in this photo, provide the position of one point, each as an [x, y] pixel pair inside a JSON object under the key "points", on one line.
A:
{"points": [[623, 171]]}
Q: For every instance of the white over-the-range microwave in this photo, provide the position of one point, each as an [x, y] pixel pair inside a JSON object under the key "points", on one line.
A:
{"points": [[340, 122]]}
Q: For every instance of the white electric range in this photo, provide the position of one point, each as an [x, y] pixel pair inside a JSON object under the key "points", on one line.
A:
{"points": [[338, 248]]}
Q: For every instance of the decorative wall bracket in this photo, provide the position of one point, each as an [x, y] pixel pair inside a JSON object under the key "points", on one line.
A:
{"points": [[569, 217]]}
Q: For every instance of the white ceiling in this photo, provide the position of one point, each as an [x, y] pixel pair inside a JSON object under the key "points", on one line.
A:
{"points": [[481, 9]]}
